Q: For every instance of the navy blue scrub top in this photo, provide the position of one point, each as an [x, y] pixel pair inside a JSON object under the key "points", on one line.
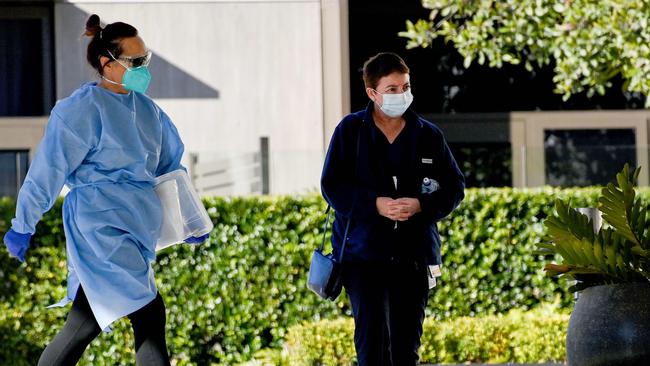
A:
{"points": [[395, 159]]}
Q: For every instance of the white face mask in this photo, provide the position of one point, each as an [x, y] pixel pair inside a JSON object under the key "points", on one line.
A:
{"points": [[396, 104]]}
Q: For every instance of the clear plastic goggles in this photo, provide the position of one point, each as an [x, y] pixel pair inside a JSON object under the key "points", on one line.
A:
{"points": [[131, 62]]}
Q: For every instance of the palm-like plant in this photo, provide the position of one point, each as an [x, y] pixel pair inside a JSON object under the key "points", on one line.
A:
{"points": [[618, 253]]}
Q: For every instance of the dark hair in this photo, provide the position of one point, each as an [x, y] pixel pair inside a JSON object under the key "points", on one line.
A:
{"points": [[104, 40], [380, 65]]}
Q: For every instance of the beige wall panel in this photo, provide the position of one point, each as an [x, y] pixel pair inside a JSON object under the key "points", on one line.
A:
{"points": [[518, 146], [22, 133]]}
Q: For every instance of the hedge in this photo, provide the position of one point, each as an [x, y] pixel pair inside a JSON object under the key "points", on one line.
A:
{"points": [[239, 292], [523, 337]]}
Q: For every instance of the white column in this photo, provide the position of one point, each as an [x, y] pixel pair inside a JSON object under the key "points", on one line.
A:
{"points": [[336, 65]]}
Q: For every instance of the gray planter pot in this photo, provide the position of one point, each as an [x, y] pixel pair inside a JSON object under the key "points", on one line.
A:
{"points": [[610, 326]]}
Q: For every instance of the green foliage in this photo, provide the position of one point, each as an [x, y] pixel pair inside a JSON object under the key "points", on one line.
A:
{"points": [[488, 252], [327, 342], [269, 357], [617, 253], [589, 42], [239, 292], [225, 299], [486, 165], [534, 336]]}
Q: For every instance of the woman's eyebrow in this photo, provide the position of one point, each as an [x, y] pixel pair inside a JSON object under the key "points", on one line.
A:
{"points": [[396, 85]]}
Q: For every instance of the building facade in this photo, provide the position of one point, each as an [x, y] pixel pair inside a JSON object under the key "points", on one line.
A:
{"points": [[228, 72], [256, 88]]}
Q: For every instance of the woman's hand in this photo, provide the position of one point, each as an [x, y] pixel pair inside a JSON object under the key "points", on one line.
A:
{"points": [[407, 207], [400, 209], [197, 239], [388, 207], [17, 243]]}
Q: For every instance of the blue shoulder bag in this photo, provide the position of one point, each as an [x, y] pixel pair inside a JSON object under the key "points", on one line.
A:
{"points": [[325, 270]]}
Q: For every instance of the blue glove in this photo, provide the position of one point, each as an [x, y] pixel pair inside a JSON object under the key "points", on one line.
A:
{"points": [[17, 244], [197, 240]]}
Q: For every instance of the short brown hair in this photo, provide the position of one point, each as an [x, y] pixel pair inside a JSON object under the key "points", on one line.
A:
{"points": [[380, 65]]}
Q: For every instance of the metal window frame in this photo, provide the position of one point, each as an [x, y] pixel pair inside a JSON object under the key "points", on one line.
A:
{"points": [[527, 136], [20, 177]]}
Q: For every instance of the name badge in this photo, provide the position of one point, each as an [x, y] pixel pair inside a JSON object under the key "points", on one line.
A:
{"points": [[435, 270], [427, 161]]}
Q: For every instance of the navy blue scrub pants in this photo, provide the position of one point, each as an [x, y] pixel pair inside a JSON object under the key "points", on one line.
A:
{"points": [[388, 303], [81, 328]]}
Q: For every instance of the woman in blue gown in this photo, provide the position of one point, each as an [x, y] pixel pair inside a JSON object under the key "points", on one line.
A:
{"points": [[107, 142]]}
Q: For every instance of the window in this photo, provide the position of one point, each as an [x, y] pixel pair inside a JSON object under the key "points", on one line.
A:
{"points": [[13, 169], [484, 164], [26, 62], [583, 157]]}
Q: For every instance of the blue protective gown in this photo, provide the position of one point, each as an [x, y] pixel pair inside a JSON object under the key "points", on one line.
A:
{"points": [[107, 148]]}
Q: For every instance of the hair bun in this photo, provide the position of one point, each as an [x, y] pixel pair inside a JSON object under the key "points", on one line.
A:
{"points": [[92, 26]]}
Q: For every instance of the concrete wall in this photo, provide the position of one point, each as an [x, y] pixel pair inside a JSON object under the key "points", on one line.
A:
{"points": [[227, 72]]}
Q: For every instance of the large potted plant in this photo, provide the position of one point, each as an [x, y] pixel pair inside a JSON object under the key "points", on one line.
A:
{"points": [[610, 322]]}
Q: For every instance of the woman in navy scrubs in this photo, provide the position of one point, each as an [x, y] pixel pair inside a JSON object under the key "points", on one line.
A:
{"points": [[392, 174]]}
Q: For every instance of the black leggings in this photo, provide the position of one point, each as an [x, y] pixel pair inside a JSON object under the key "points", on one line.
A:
{"points": [[81, 328]]}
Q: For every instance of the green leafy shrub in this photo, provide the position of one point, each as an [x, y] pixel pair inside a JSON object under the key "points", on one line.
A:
{"points": [[268, 357], [240, 291], [533, 336], [326, 342], [488, 244]]}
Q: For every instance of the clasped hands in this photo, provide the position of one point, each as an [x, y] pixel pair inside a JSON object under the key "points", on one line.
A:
{"points": [[400, 209]]}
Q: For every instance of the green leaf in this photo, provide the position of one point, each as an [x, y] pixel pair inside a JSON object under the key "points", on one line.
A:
{"points": [[467, 62], [591, 43], [617, 206]]}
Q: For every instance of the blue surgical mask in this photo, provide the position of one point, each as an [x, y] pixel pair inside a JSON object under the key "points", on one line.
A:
{"points": [[394, 105]]}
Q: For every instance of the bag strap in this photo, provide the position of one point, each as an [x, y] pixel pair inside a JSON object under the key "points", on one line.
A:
{"points": [[327, 212], [345, 240], [345, 236], [327, 221]]}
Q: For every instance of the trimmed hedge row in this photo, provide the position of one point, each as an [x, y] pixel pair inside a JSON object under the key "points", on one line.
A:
{"points": [[239, 292], [524, 337]]}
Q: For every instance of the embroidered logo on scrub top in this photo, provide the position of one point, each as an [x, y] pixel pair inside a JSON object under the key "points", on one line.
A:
{"points": [[429, 185]]}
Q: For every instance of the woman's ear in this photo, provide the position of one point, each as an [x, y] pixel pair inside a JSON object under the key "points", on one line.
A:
{"points": [[104, 62], [371, 94]]}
